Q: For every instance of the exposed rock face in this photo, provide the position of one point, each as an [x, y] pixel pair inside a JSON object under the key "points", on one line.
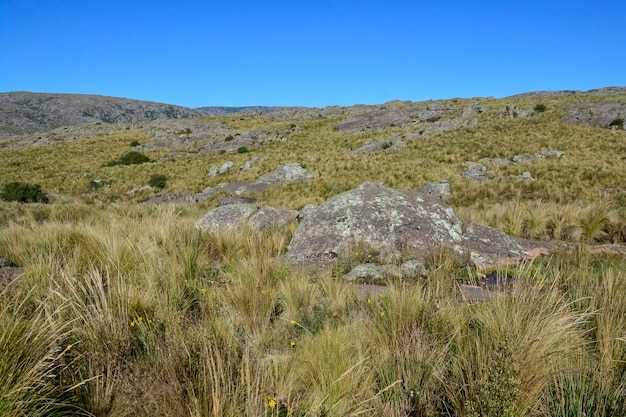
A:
{"points": [[440, 190], [514, 112], [234, 215], [393, 223], [286, 174], [477, 172], [218, 170], [283, 174], [389, 145], [608, 114]]}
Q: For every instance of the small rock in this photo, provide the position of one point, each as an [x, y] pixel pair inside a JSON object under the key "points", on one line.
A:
{"points": [[440, 190], [250, 163], [552, 153], [138, 189], [224, 201], [286, 174], [526, 176]]}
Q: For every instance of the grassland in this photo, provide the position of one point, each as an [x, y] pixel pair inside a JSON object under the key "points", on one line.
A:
{"points": [[125, 309]]}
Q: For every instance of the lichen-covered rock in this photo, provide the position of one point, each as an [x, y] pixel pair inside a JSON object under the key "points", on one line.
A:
{"points": [[387, 220], [607, 114], [286, 174], [514, 112], [235, 215], [488, 246], [476, 172], [440, 190], [225, 217]]}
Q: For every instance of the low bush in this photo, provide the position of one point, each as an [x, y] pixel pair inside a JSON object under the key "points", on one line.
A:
{"points": [[130, 158], [242, 149], [158, 181], [135, 143], [23, 193], [540, 108]]}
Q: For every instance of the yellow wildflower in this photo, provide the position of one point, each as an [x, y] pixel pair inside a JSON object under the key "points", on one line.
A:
{"points": [[271, 402], [132, 323], [69, 346], [293, 343], [293, 322], [382, 314]]}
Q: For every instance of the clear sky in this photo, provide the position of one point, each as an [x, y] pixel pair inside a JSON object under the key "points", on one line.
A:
{"points": [[310, 53]]}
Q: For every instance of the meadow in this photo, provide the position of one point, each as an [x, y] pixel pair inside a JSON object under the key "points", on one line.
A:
{"points": [[125, 309]]}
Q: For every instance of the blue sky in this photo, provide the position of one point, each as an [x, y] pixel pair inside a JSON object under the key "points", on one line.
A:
{"points": [[309, 53]]}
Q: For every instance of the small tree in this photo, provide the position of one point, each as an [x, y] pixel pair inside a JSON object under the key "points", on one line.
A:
{"points": [[23, 193]]}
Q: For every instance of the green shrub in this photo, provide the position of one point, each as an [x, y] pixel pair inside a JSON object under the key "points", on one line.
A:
{"points": [[23, 193], [228, 138], [158, 181], [135, 143], [130, 158], [242, 149], [540, 108]]}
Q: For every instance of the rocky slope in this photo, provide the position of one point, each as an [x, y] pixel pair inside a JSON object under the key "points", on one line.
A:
{"points": [[25, 112]]}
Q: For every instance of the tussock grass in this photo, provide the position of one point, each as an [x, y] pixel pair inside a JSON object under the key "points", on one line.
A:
{"points": [[127, 310]]}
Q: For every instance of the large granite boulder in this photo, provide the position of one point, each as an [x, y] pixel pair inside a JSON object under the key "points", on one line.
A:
{"points": [[388, 220], [393, 223]]}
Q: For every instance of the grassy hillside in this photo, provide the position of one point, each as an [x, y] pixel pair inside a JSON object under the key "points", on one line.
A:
{"points": [[124, 309]]}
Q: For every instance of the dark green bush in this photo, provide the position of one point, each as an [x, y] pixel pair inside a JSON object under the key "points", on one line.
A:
{"points": [[23, 193], [135, 143], [130, 158], [242, 149], [158, 181], [540, 108]]}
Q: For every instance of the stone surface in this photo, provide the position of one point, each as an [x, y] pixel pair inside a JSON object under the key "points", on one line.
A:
{"points": [[477, 172], [605, 114], [394, 223], [388, 145], [514, 112], [440, 190], [287, 174], [388, 220], [235, 215]]}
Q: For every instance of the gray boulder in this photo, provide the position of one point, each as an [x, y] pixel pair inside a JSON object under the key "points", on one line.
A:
{"points": [[440, 190], [235, 215], [394, 223], [387, 220], [608, 114], [389, 145], [286, 174], [221, 169], [477, 172], [514, 112]]}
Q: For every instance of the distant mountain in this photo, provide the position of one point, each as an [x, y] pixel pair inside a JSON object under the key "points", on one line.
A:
{"points": [[551, 93], [221, 110], [25, 112]]}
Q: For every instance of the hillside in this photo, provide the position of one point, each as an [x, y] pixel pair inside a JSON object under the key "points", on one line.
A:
{"points": [[462, 257], [24, 112]]}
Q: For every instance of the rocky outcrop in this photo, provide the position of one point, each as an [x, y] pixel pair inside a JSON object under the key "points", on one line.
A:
{"points": [[514, 112], [389, 145], [440, 190], [392, 223], [282, 175], [607, 114], [235, 215]]}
